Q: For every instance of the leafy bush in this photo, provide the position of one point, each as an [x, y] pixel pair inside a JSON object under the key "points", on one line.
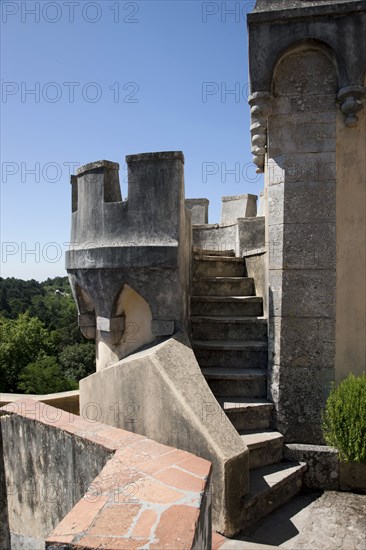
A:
{"points": [[22, 341], [344, 422], [38, 320], [44, 376], [78, 361]]}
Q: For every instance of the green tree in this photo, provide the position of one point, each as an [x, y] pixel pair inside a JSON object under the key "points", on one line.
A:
{"points": [[78, 361], [22, 341], [44, 376]]}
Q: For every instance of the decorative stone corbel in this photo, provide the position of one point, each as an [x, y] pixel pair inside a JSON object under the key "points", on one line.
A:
{"points": [[87, 325], [260, 109], [111, 329], [351, 100]]}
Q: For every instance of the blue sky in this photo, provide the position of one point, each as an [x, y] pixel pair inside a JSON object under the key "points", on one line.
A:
{"points": [[111, 78]]}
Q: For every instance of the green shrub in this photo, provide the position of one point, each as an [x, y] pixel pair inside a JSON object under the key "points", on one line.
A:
{"points": [[344, 422]]}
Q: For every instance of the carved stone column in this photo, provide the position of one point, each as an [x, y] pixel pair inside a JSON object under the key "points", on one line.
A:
{"points": [[260, 109], [351, 99]]}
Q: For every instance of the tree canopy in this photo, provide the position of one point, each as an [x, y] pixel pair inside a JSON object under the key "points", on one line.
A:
{"points": [[41, 347]]}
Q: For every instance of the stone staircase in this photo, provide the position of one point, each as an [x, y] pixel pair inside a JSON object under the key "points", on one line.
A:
{"points": [[229, 338]]}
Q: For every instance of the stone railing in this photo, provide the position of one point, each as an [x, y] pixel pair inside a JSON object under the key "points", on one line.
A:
{"points": [[67, 400], [94, 485]]}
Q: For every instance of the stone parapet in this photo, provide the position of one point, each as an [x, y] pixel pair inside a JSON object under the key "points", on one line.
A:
{"points": [[199, 210], [139, 493], [239, 206], [129, 261], [161, 393]]}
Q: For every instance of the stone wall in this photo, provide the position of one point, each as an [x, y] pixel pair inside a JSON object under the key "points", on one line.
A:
{"points": [[47, 470], [129, 264], [244, 236], [162, 394], [67, 401], [107, 486], [307, 70], [302, 241], [4, 522]]}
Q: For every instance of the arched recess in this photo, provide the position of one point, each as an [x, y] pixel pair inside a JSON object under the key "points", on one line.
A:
{"points": [[137, 332], [301, 232], [311, 44], [86, 310]]}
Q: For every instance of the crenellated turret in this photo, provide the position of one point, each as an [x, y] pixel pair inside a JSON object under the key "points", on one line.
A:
{"points": [[129, 261]]}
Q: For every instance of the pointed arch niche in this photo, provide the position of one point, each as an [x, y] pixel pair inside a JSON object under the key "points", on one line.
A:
{"points": [[137, 332]]}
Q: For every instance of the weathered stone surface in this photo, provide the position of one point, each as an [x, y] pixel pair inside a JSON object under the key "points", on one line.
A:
{"points": [[240, 206], [215, 237], [136, 494], [256, 265], [128, 264], [271, 487], [301, 341], [261, 205], [300, 103], [43, 489], [300, 395], [322, 465], [198, 209], [250, 235], [66, 401], [302, 293], [4, 520], [317, 136], [276, 5], [343, 36], [316, 241], [304, 202], [301, 236], [316, 519], [211, 266], [167, 380], [293, 168], [352, 477], [304, 74]]}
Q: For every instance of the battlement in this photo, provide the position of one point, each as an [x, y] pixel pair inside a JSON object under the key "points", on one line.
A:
{"points": [[150, 215], [129, 261]]}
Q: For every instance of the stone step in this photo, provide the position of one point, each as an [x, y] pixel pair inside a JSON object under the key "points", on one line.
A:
{"points": [[230, 353], [226, 382], [269, 488], [227, 305], [265, 447], [213, 266], [223, 286], [207, 327], [206, 252], [246, 413]]}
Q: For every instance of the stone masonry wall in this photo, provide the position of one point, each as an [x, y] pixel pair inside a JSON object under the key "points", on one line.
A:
{"points": [[126, 491], [302, 240]]}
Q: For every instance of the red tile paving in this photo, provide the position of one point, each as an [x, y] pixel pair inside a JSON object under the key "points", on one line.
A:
{"points": [[115, 520], [109, 543], [145, 524], [80, 517], [181, 479], [180, 520], [134, 499]]}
